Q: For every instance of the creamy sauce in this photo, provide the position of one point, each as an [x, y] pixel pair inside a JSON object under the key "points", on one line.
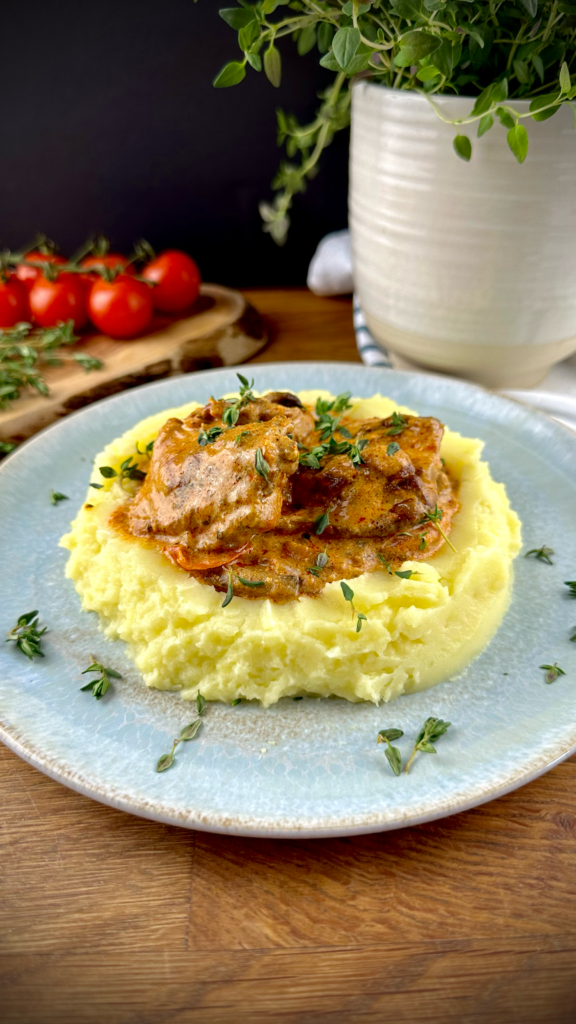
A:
{"points": [[216, 517]]}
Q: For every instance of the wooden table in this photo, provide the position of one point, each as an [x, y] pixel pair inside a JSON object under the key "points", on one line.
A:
{"points": [[109, 919]]}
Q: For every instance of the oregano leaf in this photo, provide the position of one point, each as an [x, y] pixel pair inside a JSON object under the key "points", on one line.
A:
{"points": [[463, 147], [518, 141], [231, 74], [273, 65]]}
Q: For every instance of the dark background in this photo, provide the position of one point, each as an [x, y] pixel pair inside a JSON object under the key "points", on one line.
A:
{"points": [[110, 124]]}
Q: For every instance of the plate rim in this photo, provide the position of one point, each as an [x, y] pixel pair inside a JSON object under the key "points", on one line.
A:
{"points": [[214, 821]]}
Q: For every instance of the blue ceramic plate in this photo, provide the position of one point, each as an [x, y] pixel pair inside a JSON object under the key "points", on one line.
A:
{"points": [[312, 767]]}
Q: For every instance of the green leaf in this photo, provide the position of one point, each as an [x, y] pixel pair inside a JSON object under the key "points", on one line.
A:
{"points": [[427, 747], [108, 471], [500, 91], [443, 57], [567, 8], [463, 147], [480, 45], [189, 731], [56, 496], [329, 61], [260, 464], [484, 125], [306, 40], [321, 522], [231, 74], [248, 35], [506, 118], [427, 74], [324, 36], [406, 574], [200, 703], [273, 65], [229, 592], [237, 17], [255, 61], [416, 45], [165, 761], [483, 102], [565, 78], [544, 101], [344, 45], [531, 6], [347, 591], [522, 72], [410, 9], [518, 141], [390, 734], [392, 448], [538, 66], [394, 758]]}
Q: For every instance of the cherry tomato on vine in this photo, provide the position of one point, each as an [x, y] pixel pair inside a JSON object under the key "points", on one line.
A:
{"points": [[177, 280], [56, 301], [28, 275], [112, 260], [13, 301], [121, 308]]}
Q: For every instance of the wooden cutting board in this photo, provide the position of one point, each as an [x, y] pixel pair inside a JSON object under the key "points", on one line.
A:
{"points": [[222, 329]]}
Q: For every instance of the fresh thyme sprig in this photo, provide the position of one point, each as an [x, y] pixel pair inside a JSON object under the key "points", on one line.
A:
{"points": [[209, 436], [87, 362], [312, 457], [349, 596], [399, 422], [571, 584], [22, 351], [543, 554], [434, 518], [327, 425], [102, 684], [187, 733], [244, 582], [27, 636], [552, 672], [393, 755], [129, 470], [147, 448], [56, 496], [321, 563], [432, 729], [234, 407]]}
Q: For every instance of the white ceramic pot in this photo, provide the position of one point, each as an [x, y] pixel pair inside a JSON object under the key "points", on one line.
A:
{"points": [[463, 267]]}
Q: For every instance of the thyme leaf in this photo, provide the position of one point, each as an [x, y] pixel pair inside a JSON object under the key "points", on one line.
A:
{"points": [[261, 465], [434, 518], [393, 755], [571, 584], [209, 436], [573, 637], [200, 703], [349, 596], [88, 362], [234, 407], [321, 563], [423, 542], [552, 672], [129, 470], [406, 574], [399, 422], [187, 733], [27, 636], [102, 684], [322, 521], [56, 496], [147, 448], [392, 448], [229, 592], [385, 563], [243, 433], [543, 554], [432, 729]]}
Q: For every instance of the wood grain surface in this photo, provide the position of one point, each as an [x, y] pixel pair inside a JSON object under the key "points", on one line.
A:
{"points": [[110, 919], [223, 329]]}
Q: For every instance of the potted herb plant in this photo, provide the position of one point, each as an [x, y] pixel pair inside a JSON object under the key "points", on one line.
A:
{"points": [[463, 167]]}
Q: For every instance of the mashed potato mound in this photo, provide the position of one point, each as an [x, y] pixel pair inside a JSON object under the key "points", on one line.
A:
{"points": [[418, 632]]}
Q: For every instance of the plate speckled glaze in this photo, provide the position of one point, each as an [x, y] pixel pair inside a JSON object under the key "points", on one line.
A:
{"points": [[301, 768]]}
